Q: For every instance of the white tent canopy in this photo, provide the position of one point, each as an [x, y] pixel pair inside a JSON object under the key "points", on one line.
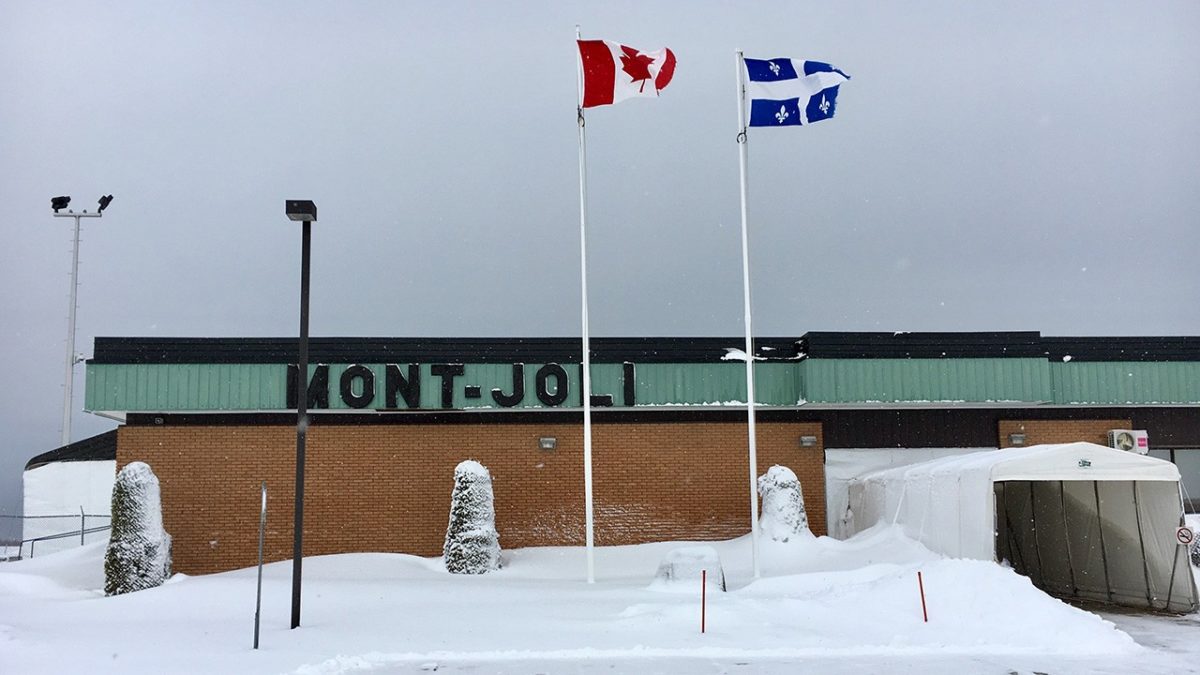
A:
{"points": [[1080, 519]]}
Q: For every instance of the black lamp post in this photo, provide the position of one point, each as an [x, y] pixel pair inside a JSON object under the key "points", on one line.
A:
{"points": [[306, 212]]}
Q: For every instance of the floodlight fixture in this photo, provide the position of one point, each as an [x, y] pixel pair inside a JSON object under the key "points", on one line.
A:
{"points": [[303, 210], [105, 200], [57, 203]]}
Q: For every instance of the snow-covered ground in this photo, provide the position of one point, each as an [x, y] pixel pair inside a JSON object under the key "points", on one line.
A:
{"points": [[821, 605]]}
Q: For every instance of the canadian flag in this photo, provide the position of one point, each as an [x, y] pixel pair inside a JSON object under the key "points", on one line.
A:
{"points": [[614, 72]]}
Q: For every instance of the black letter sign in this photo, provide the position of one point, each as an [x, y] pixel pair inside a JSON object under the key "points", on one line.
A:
{"points": [[447, 371], [318, 387], [560, 378], [368, 386], [518, 394], [395, 383]]}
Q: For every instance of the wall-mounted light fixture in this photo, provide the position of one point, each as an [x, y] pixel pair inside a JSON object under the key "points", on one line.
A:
{"points": [[808, 441], [547, 443], [1016, 439]]}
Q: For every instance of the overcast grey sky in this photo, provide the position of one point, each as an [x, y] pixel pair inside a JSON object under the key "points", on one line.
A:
{"points": [[993, 166]]}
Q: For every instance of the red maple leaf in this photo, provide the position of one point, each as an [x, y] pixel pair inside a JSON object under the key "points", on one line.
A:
{"points": [[636, 65]]}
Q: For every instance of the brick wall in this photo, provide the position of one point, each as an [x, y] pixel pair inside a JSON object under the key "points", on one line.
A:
{"points": [[1059, 431], [387, 487]]}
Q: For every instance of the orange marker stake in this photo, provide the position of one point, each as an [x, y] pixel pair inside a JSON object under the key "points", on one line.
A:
{"points": [[921, 585], [703, 596]]}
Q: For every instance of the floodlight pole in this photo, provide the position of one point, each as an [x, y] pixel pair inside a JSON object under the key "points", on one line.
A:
{"points": [[69, 379]]}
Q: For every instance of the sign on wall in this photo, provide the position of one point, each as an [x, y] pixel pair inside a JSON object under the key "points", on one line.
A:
{"points": [[447, 386]]}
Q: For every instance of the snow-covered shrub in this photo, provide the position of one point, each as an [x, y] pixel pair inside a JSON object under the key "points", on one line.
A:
{"points": [[783, 515], [472, 543], [139, 549]]}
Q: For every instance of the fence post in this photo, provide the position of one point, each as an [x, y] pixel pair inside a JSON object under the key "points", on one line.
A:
{"points": [[262, 526], [82, 525]]}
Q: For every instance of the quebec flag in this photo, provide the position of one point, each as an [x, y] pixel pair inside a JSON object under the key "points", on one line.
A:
{"points": [[780, 95]]}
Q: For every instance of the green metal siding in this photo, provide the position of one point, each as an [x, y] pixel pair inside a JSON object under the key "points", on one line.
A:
{"points": [[177, 387], [925, 380], [1121, 383], [775, 384], [263, 387], [241, 387]]}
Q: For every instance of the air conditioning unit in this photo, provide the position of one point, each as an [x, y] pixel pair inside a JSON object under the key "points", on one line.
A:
{"points": [[1130, 440]]}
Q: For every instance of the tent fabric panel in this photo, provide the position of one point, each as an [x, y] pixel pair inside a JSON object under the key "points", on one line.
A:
{"points": [[1014, 512], [1084, 540], [1172, 587], [1032, 534], [1123, 552], [1050, 534], [1004, 548], [845, 467]]}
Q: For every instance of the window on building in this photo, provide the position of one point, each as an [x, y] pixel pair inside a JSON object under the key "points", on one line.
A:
{"points": [[1188, 461]]}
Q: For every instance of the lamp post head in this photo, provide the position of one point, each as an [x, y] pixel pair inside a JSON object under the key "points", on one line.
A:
{"points": [[57, 203], [301, 209], [104, 202]]}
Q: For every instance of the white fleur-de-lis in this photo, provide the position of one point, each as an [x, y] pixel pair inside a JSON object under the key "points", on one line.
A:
{"points": [[782, 114], [774, 68], [824, 105]]}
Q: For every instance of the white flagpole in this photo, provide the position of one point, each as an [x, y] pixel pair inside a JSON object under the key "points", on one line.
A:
{"points": [[586, 392], [742, 139]]}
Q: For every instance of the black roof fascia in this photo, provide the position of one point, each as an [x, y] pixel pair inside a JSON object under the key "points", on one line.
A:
{"points": [[1164, 348], [116, 350], [97, 448], [819, 345], [903, 345]]}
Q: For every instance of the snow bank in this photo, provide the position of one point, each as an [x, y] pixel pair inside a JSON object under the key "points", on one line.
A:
{"points": [[821, 600]]}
